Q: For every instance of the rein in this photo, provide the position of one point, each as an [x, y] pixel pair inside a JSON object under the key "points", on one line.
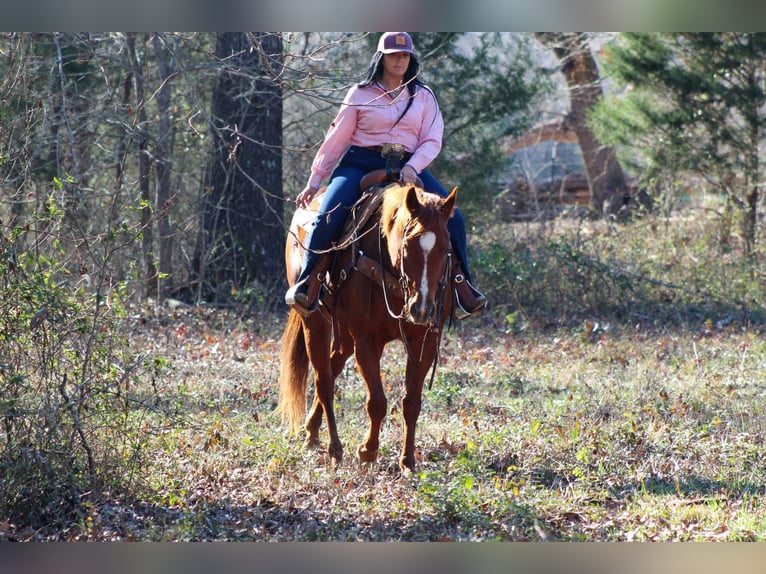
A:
{"points": [[402, 276], [400, 317], [440, 298]]}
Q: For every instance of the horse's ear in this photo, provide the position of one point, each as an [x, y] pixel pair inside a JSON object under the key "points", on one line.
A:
{"points": [[448, 207], [413, 204]]}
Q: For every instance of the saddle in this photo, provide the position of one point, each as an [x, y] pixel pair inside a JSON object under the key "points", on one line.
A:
{"points": [[371, 187]]}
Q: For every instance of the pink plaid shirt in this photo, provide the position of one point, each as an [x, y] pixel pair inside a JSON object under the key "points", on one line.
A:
{"points": [[366, 118]]}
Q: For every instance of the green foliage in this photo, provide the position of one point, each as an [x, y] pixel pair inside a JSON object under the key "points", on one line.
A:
{"points": [[552, 279], [68, 414], [487, 90], [695, 106], [673, 270]]}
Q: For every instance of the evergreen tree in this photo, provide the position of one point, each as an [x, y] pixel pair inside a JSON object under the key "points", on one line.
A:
{"points": [[487, 87], [695, 105]]}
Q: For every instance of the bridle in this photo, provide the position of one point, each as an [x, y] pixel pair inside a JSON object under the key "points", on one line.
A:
{"points": [[403, 282], [401, 317]]}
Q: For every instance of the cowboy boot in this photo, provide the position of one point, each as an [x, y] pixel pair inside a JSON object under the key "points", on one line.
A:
{"points": [[468, 300], [304, 295]]}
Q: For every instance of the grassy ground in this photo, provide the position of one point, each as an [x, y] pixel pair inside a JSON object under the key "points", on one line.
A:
{"points": [[585, 434], [582, 430]]}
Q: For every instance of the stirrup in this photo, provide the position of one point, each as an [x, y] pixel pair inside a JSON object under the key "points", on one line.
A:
{"points": [[481, 301], [302, 311], [460, 311], [295, 294]]}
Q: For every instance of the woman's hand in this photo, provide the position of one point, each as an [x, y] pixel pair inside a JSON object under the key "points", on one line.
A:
{"points": [[408, 174], [305, 196]]}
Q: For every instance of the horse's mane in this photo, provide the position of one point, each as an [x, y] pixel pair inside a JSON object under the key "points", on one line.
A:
{"points": [[394, 212]]}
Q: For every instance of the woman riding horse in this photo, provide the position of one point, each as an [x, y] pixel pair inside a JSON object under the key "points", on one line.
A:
{"points": [[391, 105], [391, 283]]}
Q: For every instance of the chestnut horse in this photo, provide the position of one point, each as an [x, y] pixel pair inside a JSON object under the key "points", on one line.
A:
{"points": [[407, 238]]}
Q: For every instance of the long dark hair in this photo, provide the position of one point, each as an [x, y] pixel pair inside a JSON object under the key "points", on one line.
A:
{"points": [[411, 77]]}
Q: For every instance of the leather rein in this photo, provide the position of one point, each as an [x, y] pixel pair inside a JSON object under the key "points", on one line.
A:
{"points": [[435, 326]]}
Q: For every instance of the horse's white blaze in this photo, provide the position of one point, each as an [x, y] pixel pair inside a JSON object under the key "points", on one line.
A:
{"points": [[427, 242]]}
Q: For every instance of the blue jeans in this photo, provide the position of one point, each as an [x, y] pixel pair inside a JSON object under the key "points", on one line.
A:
{"points": [[343, 192]]}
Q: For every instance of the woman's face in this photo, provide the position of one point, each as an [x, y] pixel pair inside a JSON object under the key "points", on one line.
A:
{"points": [[396, 64]]}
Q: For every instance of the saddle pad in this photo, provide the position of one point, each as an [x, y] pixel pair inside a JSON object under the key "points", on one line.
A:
{"points": [[361, 212]]}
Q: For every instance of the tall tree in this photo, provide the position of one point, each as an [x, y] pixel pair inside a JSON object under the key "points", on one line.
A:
{"points": [[242, 232], [163, 153], [605, 176], [144, 166], [697, 105]]}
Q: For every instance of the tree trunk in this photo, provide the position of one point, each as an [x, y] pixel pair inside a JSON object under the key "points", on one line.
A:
{"points": [[162, 167], [752, 166], [144, 170], [605, 176], [243, 234]]}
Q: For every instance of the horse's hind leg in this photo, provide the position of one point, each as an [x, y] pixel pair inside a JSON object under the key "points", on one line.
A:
{"points": [[313, 423], [326, 368], [314, 419]]}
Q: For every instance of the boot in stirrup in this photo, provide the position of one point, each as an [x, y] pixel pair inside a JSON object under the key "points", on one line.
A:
{"points": [[304, 295], [468, 300]]}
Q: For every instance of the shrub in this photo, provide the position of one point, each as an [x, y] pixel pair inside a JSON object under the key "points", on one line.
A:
{"points": [[669, 270], [66, 413]]}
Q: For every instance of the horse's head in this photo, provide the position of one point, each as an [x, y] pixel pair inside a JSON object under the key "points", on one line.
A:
{"points": [[415, 226]]}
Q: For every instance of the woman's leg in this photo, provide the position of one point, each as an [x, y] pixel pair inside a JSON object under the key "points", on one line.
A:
{"points": [[470, 299], [339, 198], [341, 195], [456, 225]]}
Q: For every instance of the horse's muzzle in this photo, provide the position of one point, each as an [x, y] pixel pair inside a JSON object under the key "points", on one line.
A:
{"points": [[421, 312]]}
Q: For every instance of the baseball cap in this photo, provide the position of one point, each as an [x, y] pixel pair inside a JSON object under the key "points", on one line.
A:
{"points": [[391, 42]]}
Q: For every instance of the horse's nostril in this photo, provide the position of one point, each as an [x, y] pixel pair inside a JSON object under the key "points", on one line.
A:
{"points": [[421, 312]]}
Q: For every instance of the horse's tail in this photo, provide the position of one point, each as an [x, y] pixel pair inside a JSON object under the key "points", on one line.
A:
{"points": [[294, 372]]}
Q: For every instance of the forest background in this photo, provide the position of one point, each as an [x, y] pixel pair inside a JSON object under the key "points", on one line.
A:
{"points": [[146, 186]]}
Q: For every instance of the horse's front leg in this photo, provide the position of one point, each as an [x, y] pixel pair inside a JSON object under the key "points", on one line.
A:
{"points": [[368, 361], [411, 404]]}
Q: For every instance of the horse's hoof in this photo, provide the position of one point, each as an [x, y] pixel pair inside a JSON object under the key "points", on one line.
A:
{"points": [[407, 465], [312, 443], [336, 454], [367, 456]]}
